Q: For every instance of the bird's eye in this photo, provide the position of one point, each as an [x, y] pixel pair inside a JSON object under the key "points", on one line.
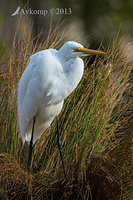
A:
{"points": [[76, 49]]}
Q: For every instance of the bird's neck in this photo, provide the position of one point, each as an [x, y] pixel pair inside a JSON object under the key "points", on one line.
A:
{"points": [[66, 81], [73, 72]]}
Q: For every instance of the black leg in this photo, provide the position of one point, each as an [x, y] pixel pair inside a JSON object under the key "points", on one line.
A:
{"points": [[31, 147], [59, 146]]}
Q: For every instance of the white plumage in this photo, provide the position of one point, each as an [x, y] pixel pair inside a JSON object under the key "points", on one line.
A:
{"points": [[47, 81], [49, 78]]}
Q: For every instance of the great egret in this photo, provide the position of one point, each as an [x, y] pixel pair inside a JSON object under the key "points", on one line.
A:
{"points": [[50, 77]]}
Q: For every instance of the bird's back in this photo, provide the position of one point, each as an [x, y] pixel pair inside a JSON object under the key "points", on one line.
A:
{"points": [[33, 88]]}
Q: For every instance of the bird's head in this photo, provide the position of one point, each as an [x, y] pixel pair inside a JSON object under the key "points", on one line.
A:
{"points": [[73, 49]]}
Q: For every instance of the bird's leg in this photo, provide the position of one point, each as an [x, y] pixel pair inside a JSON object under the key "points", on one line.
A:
{"points": [[31, 146], [59, 146]]}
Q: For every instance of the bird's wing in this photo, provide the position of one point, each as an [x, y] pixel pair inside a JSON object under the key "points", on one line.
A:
{"points": [[29, 97], [33, 87]]}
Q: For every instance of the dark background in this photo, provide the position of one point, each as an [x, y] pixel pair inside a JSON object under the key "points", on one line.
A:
{"points": [[91, 21]]}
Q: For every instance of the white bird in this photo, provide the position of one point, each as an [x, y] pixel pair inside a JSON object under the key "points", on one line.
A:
{"points": [[50, 77]]}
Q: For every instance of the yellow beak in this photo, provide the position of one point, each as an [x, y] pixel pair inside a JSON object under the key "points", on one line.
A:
{"points": [[89, 51]]}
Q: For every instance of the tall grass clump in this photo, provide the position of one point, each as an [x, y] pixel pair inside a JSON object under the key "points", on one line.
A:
{"points": [[96, 129]]}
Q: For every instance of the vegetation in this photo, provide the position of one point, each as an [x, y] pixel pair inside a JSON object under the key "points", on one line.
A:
{"points": [[95, 126]]}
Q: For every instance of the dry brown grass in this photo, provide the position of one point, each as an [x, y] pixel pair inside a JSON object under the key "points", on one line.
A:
{"points": [[96, 129]]}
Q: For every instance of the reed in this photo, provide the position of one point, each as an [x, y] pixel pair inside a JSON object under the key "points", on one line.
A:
{"points": [[95, 126]]}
